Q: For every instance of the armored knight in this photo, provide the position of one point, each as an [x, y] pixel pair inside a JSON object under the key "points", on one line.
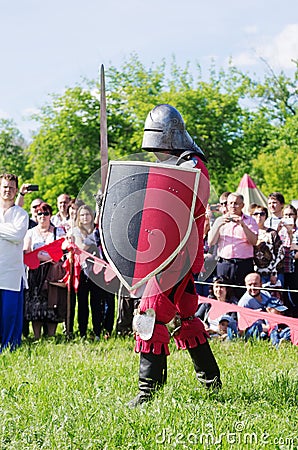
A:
{"points": [[175, 301]]}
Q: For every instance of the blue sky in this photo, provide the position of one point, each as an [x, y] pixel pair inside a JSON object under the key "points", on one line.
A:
{"points": [[48, 45]]}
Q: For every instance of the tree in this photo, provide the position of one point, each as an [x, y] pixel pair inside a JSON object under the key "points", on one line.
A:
{"points": [[131, 92], [278, 95], [65, 150], [212, 111], [12, 154], [277, 164], [234, 118]]}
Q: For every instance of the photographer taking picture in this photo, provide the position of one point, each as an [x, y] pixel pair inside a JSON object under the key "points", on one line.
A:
{"points": [[25, 189], [235, 233]]}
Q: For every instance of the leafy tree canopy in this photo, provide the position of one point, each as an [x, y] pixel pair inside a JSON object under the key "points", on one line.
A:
{"points": [[243, 125], [12, 145]]}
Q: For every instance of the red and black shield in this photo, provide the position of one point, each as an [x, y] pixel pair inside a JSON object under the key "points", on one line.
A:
{"points": [[146, 218]]}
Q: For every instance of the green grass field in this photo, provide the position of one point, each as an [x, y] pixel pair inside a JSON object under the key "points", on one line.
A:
{"points": [[73, 395]]}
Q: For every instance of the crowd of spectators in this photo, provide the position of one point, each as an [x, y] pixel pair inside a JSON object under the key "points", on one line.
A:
{"points": [[250, 261], [255, 264], [45, 297]]}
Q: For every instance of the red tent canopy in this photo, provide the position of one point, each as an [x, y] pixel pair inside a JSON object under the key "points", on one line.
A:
{"points": [[250, 192]]}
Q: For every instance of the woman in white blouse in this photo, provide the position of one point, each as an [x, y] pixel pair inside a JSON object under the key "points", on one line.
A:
{"points": [[84, 238], [37, 307]]}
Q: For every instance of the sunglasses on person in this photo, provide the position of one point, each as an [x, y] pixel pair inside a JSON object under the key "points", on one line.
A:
{"points": [[43, 213], [262, 214]]}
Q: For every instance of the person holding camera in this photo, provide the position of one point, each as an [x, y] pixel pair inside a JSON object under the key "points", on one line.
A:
{"points": [[25, 189], [269, 250], [235, 233], [288, 233]]}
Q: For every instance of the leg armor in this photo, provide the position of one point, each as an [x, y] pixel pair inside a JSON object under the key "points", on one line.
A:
{"points": [[205, 366], [152, 376]]}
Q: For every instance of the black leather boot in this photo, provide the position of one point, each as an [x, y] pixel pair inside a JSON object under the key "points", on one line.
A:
{"points": [[152, 376], [205, 365]]}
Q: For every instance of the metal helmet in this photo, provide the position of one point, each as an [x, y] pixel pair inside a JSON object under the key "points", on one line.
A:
{"points": [[165, 130]]}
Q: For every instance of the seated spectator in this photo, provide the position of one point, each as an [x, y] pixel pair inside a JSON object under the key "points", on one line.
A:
{"points": [[260, 300], [261, 329], [268, 251], [220, 292], [280, 333], [254, 297], [222, 328]]}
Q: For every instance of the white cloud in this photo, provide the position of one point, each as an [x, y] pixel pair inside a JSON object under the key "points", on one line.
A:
{"points": [[278, 51], [3, 115], [281, 50], [245, 59], [250, 29], [27, 112]]}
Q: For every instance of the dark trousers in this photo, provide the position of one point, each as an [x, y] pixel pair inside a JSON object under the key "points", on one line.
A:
{"points": [[125, 315], [109, 314], [26, 323], [235, 270], [126, 307], [86, 287]]}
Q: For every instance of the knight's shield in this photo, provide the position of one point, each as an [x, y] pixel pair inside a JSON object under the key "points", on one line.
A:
{"points": [[147, 216]]}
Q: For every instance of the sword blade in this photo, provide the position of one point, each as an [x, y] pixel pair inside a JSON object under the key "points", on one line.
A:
{"points": [[103, 130]]}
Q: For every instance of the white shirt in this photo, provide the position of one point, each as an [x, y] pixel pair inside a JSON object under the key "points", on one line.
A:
{"points": [[272, 222], [59, 221], [82, 240], [13, 227]]}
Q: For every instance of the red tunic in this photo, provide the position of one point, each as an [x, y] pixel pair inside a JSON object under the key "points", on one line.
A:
{"points": [[181, 297]]}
